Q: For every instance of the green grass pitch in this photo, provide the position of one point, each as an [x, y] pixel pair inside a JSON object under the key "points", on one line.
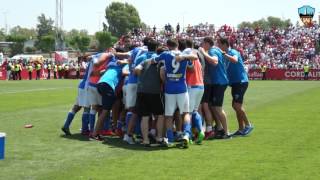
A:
{"points": [[285, 143]]}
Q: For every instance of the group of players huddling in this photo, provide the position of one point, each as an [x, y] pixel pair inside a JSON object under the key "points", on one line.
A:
{"points": [[162, 94]]}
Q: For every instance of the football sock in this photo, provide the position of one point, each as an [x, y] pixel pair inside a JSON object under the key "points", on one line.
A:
{"points": [[92, 119], [197, 121], [106, 125], [85, 121], [137, 129], [187, 129], [128, 117], [170, 135], [68, 120]]}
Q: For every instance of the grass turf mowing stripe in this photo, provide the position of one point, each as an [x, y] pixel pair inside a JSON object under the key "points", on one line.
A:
{"points": [[43, 149], [33, 90], [270, 153]]}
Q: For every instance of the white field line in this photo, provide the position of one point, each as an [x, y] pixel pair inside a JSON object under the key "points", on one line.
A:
{"points": [[33, 90]]}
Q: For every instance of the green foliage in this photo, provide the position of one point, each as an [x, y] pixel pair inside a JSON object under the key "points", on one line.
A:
{"points": [[45, 26], [122, 18], [17, 46], [105, 40], [266, 24], [46, 43], [79, 40], [30, 49], [46, 36], [82, 42], [2, 35], [145, 27], [26, 32]]}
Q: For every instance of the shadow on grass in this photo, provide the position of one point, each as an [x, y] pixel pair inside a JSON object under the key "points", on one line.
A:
{"points": [[116, 142], [76, 136]]}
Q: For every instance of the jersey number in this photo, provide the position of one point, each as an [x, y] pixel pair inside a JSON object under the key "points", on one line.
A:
{"points": [[175, 66]]}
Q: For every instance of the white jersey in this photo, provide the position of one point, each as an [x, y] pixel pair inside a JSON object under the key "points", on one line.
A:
{"points": [[85, 81]]}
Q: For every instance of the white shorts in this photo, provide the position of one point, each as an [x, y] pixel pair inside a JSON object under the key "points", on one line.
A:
{"points": [[131, 95], [172, 101], [195, 96], [94, 97], [82, 99]]}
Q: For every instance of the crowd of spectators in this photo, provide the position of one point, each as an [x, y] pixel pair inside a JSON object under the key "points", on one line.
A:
{"points": [[289, 48]]}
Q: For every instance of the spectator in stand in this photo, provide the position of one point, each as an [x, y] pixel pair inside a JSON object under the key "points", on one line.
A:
{"points": [[66, 71], [9, 72], [30, 69], [154, 30], [13, 71], [38, 69], [306, 69], [178, 28], [264, 71], [77, 68], [18, 69], [49, 67], [60, 71], [55, 71]]}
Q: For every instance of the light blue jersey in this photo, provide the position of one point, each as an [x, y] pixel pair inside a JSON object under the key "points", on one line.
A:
{"points": [[218, 72], [236, 72], [113, 74]]}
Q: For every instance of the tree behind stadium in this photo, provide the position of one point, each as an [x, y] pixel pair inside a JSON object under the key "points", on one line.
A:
{"points": [[79, 40], [19, 35], [45, 39], [122, 17], [17, 46], [266, 24], [105, 40]]}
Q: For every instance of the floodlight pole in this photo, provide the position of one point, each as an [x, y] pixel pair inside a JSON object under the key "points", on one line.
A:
{"points": [[5, 22], [59, 43]]}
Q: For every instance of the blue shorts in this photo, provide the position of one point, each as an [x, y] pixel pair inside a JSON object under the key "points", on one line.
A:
{"points": [[107, 94]]}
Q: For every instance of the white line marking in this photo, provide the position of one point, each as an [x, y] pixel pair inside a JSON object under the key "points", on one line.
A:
{"points": [[32, 90]]}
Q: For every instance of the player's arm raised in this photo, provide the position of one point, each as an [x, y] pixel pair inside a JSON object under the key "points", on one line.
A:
{"points": [[123, 61], [211, 59], [154, 60], [103, 59], [190, 57], [233, 59], [122, 55]]}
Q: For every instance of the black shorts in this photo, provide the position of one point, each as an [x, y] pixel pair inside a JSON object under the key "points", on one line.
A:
{"points": [[149, 104], [107, 94], [237, 91], [207, 95], [218, 94]]}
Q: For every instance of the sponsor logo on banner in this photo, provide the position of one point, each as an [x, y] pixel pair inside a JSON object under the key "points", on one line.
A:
{"points": [[282, 74], [300, 74], [293, 74]]}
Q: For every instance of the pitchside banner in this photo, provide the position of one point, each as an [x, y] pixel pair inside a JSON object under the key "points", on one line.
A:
{"points": [[3, 73], [43, 74], [283, 74], [272, 74]]}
